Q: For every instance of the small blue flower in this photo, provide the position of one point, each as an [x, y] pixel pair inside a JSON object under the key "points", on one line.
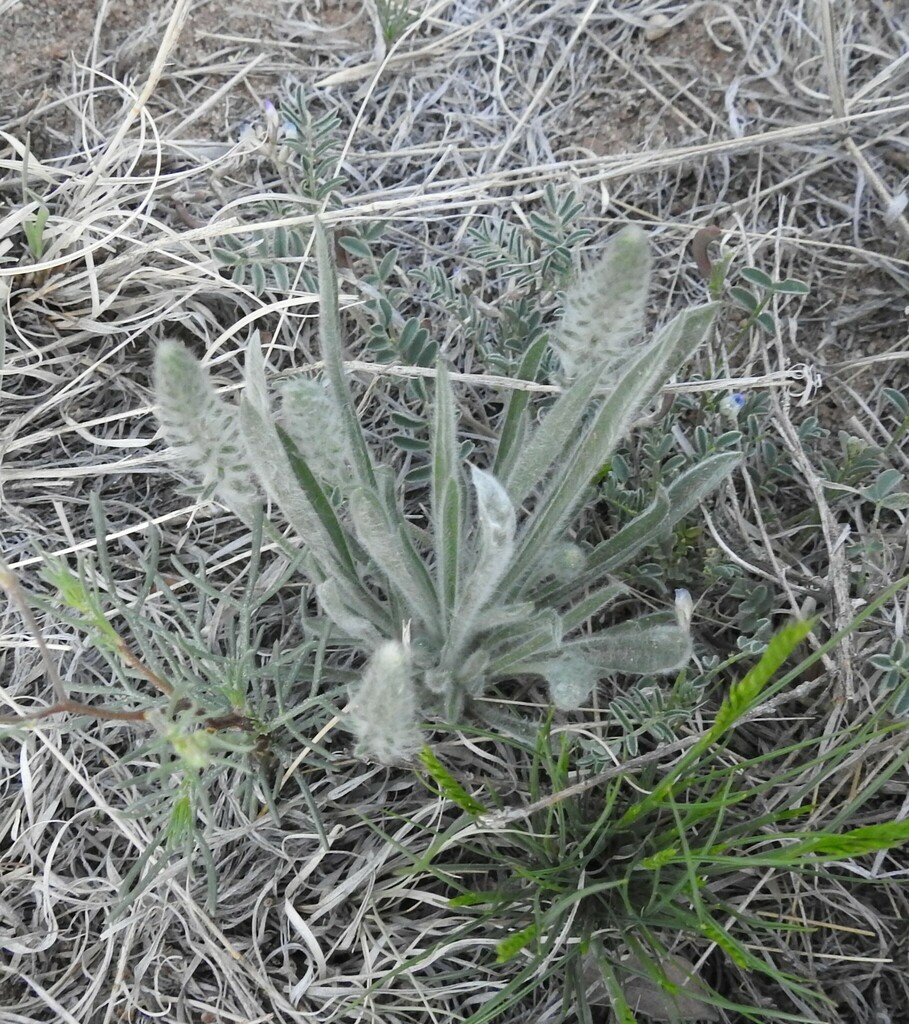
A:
{"points": [[732, 405]]}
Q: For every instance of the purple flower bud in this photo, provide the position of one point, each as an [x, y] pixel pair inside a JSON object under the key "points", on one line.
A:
{"points": [[271, 114]]}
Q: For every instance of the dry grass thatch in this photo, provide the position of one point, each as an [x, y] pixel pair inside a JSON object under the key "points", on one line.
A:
{"points": [[781, 122]]}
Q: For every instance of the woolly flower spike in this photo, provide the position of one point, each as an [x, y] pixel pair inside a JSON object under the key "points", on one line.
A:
{"points": [[383, 712], [568, 561], [203, 431], [310, 415], [604, 309]]}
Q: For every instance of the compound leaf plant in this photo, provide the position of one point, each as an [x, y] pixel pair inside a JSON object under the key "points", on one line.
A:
{"points": [[492, 587]]}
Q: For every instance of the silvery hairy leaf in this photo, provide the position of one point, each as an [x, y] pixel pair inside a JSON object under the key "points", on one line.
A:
{"points": [[646, 371], [333, 356], [493, 548], [352, 623], [571, 678], [555, 434], [643, 646], [446, 497], [387, 542]]}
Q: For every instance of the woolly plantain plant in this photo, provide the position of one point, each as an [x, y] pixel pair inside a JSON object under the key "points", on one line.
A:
{"points": [[490, 590]]}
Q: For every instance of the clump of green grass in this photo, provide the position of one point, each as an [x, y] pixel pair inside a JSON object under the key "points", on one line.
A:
{"points": [[621, 883]]}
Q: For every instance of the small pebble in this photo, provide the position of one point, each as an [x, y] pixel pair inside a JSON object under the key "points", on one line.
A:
{"points": [[658, 25]]}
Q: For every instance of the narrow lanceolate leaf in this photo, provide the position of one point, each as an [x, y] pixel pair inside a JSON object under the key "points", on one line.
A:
{"points": [[668, 507], [695, 484], [494, 546], [647, 370], [254, 376], [317, 498], [615, 551], [446, 496], [273, 466], [333, 356], [353, 624], [203, 431], [514, 646], [514, 423], [604, 310], [388, 545], [553, 438], [591, 604], [358, 600], [643, 646]]}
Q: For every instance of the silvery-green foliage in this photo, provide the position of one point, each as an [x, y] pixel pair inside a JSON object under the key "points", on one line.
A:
{"points": [[488, 590], [648, 645], [203, 430], [496, 521], [383, 708], [571, 677], [569, 560], [603, 311], [312, 419]]}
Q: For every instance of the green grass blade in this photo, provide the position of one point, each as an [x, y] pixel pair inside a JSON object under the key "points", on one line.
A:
{"points": [[859, 841], [741, 698], [744, 693]]}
